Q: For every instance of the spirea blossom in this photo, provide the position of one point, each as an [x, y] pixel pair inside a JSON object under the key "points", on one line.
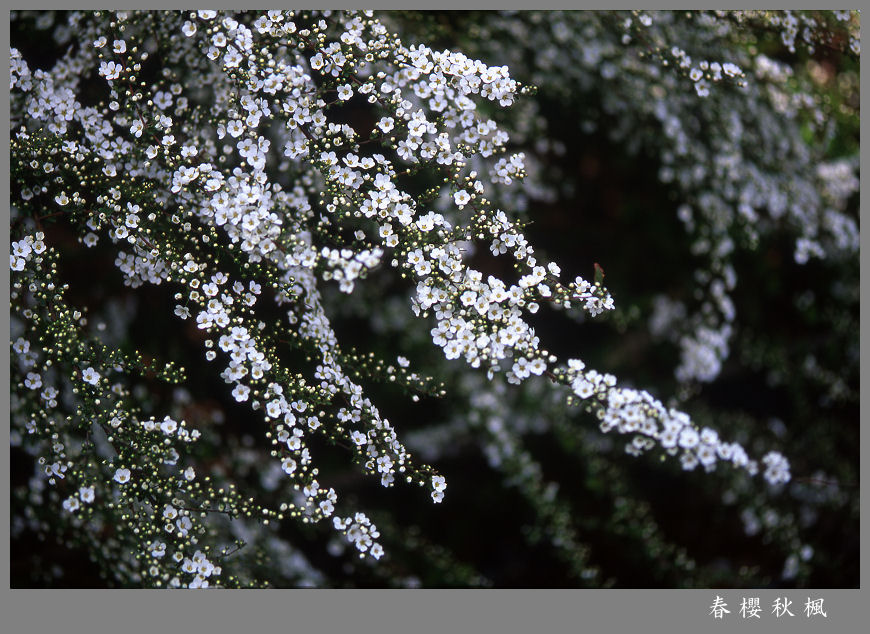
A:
{"points": [[277, 175]]}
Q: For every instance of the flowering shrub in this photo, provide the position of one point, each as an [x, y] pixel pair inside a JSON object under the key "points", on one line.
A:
{"points": [[263, 260]]}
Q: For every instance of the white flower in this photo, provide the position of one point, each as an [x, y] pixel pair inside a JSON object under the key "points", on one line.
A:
{"points": [[110, 70], [537, 366], [345, 92], [71, 504], [183, 524], [273, 408], [122, 476], [119, 46], [732, 70], [385, 124], [777, 471], [86, 494], [235, 128], [240, 392], [521, 368], [461, 198], [688, 438], [439, 483], [162, 99], [33, 381], [90, 376], [709, 436], [21, 249], [582, 387], [168, 426]]}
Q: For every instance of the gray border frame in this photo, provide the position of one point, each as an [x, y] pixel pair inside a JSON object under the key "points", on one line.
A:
{"points": [[411, 610]]}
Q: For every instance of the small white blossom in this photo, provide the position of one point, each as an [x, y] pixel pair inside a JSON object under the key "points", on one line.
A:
{"points": [[122, 476], [91, 376]]}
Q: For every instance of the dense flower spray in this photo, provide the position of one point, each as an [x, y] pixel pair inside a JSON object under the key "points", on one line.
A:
{"points": [[266, 168]]}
